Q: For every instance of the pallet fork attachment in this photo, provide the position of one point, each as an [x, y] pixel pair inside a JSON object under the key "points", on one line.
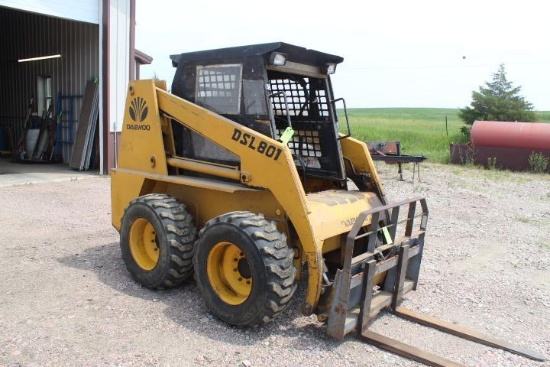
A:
{"points": [[430, 359], [357, 299]]}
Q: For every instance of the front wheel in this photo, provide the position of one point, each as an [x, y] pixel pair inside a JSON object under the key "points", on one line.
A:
{"points": [[244, 268], [157, 238]]}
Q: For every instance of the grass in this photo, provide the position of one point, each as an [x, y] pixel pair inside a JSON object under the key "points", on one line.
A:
{"points": [[543, 116], [421, 131]]}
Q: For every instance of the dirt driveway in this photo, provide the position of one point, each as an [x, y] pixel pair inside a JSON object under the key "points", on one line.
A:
{"points": [[67, 300]]}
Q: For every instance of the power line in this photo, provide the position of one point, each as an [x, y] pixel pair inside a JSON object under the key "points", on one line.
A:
{"points": [[444, 66]]}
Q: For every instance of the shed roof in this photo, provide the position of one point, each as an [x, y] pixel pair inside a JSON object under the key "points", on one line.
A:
{"points": [[142, 57]]}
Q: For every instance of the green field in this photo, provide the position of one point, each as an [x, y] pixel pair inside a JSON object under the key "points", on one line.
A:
{"points": [[421, 131], [543, 116]]}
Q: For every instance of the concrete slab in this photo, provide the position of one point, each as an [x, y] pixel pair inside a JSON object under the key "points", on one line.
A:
{"points": [[14, 174]]}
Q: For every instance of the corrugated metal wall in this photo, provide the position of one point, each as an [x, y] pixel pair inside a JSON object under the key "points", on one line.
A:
{"points": [[81, 10], [24, 35]]}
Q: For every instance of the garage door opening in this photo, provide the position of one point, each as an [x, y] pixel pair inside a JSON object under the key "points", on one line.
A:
{"points": [[44, 94]]}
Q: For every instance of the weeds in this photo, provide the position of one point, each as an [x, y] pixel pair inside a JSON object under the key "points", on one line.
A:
{"points": [[467, 158], [538, 162], [492, 164]]}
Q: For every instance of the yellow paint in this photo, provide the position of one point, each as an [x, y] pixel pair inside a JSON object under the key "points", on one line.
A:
{"points": [[268, 181], [141, 138], [143, 244], [332, 244], [223, 267], [334, 212], [358, 154]]}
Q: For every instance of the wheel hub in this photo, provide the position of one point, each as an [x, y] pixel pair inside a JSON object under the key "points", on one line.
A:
{"points": [[243, 268], [143, 244], [229, 273]]}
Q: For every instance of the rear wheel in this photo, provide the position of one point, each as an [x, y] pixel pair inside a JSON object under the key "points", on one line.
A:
{"points": [[244, 268], [157, 241]]}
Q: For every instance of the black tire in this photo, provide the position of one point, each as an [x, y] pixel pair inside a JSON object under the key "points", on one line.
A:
{"points": [[265, 260], [157, 239]]}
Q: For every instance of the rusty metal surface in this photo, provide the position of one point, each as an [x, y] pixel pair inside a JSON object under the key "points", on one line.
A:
{"points": [[503, 145], [401, 272], [430, 359], [465, 333], [390, 152], [407, 350], [384, 147], [503, 158], [402, 276], [515, 135], [368, 272], [351, 301]]}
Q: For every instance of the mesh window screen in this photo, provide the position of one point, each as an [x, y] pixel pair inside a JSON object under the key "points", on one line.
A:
{"points": [[306, 144], [308, 108], [299, 99], [219, 88]]}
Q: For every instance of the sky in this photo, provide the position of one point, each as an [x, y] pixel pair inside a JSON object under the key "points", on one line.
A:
{"points": [[397, 53]]}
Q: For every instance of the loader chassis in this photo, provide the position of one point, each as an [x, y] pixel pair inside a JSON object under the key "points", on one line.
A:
{"points": [[241, 176]]}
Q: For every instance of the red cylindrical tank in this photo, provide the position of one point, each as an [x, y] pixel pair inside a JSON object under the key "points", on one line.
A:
{"points": [[519, 135]]}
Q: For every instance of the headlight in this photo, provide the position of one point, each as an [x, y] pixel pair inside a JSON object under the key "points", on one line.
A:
{"points": [[277, 58], [330, 68]]}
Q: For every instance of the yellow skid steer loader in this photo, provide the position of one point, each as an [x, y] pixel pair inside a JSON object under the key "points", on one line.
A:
{"points": [[242, 175]]}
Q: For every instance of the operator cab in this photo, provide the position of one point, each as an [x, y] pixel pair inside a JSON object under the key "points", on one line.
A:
{"points": [[266, 87]]}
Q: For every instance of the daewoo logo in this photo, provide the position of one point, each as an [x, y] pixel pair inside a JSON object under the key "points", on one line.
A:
{"points": [[138, 109], [138, 112]]}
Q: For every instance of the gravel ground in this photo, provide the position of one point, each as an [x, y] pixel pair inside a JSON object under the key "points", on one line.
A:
{"points": [[67, 300]]}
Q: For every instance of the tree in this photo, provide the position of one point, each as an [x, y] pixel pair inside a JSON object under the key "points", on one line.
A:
{"points": [[497, 101]]}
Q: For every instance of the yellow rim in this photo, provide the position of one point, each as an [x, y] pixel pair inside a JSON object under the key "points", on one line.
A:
{"points": [[229, 273], [143, 244]]}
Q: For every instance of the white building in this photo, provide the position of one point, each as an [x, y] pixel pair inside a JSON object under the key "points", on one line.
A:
{"points": [[86, 39]]}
